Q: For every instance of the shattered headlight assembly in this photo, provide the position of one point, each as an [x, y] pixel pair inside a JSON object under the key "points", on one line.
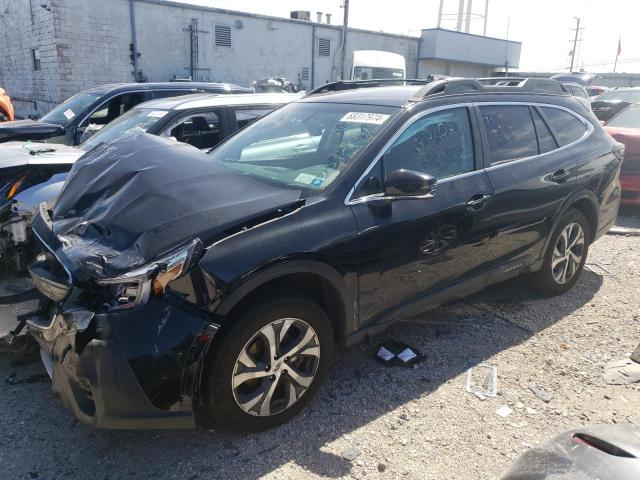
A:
{"points": [[138, 286]]}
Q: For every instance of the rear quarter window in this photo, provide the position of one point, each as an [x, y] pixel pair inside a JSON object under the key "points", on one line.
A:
{"points": [[566, 127]]}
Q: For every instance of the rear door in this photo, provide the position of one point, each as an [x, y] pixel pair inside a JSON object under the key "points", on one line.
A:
{"points": [[532, 169], [414, 247]]}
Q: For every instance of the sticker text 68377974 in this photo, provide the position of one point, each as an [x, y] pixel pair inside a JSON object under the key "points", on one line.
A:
{"points": [[365, 117]]}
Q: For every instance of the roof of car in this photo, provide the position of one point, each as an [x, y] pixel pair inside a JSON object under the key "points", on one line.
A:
{"points": [[200, 100], [395, 96], [111, 87]]}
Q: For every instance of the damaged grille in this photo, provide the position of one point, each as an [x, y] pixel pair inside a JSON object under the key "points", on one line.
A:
{"points": [[49, 277]]}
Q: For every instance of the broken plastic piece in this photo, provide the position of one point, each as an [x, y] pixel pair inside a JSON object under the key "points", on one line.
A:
{"points": [[621, 372], [482, 379], [407, 355], [504, 411], [541, 393], [394, 353]]}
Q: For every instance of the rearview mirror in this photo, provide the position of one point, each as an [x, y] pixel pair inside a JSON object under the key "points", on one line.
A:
{"points": [[409, 184]]}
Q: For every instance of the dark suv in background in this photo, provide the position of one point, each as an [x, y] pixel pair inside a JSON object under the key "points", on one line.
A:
{"points": [[227, 280], [74, 120]]}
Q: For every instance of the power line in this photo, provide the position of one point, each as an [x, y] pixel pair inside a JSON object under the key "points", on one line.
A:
{"points": [[628, 60]]}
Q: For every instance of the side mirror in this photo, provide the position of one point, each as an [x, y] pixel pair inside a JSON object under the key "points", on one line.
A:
{"points": [[410, 184]]}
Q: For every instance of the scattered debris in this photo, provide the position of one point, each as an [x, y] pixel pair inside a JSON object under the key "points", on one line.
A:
{"points": [[531, 411], [618, 230], [621, 372], [504, 411], [482, 381], [350, 454], [12, 379], [598, 269], [541, 393], [395, 354]]}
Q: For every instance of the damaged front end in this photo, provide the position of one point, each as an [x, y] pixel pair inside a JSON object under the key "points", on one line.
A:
{"points": [[124, 352], [127, 320]]}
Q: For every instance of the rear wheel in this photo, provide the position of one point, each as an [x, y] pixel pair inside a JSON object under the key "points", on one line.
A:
{"points": [[565, 256], [269, 364], [3, 117]]}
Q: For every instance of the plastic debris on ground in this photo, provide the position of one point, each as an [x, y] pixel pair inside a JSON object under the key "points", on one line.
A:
{"points": [[394, 354], [482, 381], [621, 372], [504, 411], [618, 230], [541, 393]]}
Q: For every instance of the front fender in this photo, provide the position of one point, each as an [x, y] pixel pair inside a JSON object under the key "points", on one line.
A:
{"points": [[267, 274]]}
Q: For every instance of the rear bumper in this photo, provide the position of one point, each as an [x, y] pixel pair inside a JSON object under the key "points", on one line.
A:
{"points": [[630, 189], [106, 385]]}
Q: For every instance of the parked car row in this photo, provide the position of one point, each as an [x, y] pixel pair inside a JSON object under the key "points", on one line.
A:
{"points": [[171, 276]]}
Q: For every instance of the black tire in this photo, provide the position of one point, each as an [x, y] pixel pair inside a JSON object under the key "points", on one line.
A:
{"points": [[544, 281], [3, 117], [220, 401]]}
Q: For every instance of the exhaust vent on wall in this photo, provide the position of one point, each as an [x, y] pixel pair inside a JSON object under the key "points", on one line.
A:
{"points": [[301, 15]]}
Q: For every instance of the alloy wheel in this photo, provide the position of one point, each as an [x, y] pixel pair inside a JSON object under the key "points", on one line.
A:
{"points": [[568, 253], [276, 367]]}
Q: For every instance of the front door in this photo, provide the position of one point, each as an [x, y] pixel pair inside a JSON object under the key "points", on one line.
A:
{"points": [[417, 246]]}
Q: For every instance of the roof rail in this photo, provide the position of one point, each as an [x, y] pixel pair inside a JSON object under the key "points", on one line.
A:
{"points": [[454, 86], [351, 84]]}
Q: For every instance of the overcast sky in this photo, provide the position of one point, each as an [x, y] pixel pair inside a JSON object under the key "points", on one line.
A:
{"points": [[543, 26]]}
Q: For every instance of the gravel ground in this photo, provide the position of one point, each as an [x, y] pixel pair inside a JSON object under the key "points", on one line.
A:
{"points": [[397, 422]]}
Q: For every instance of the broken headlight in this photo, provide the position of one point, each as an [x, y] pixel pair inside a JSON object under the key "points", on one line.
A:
{"points": [[137, 286]]}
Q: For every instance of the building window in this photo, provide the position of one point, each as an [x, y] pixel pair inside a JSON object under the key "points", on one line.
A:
{"points": [[305, 74], [35, 55], [324, 47], [223, 36]]}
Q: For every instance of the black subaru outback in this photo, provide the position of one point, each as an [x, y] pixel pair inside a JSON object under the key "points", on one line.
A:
{"points": [[226, 280]]}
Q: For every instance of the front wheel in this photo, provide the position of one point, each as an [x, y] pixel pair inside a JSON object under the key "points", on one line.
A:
{"points": [[269, 364], [565, 256]]}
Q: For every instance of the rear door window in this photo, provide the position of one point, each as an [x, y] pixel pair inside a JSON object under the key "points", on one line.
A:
{"points": [[546, 142], [246, 116], [566, 127], [202, 130], [510, 132]]}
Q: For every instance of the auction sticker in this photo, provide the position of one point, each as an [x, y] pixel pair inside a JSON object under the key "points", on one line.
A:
{"points": [[364, 117], [157, 113], [69, 114], [308, 179]]}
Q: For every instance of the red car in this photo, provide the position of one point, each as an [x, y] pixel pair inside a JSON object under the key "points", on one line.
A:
{"points": [[625, 128]]}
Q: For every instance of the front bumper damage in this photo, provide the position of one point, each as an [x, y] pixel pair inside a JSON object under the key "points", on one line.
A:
{"points": [[109, 379]]}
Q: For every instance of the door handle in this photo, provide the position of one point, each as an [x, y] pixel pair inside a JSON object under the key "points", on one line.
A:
{"points": [[560, 176], [477, 202]]}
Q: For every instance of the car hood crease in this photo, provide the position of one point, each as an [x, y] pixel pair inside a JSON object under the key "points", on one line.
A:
{"points": [[130, 200]]}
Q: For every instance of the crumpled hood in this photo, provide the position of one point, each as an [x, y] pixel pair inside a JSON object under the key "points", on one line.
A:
{"points": [[28, 129], [137, 197], [13, 154]]}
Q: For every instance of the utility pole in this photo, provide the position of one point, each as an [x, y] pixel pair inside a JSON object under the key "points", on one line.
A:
{"points": [[575, 44], [345, 24]]}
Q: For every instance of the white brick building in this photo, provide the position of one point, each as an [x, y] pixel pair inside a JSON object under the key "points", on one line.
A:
{"points": [[51, 49]]}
